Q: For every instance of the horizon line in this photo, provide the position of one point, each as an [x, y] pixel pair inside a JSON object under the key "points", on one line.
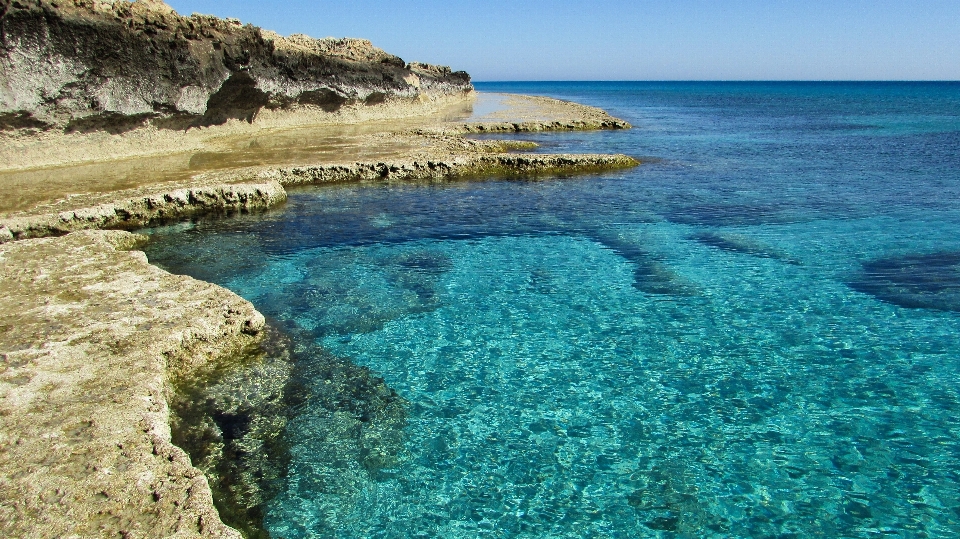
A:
{"points": [[725, 80]]}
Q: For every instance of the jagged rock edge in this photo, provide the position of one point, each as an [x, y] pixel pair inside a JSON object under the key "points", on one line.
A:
{"points": [[151, 209]]}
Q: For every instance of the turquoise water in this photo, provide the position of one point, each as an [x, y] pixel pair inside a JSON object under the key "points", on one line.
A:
{"points": [[754, 334]]}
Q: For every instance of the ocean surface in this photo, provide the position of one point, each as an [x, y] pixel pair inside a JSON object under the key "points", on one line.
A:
{"points": [[756, 333]]}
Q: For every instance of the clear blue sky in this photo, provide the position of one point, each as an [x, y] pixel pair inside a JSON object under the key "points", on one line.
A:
{"points": [[638, 39]]}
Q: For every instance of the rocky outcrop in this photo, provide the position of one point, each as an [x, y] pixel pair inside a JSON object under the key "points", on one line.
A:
{"points": [[146, 210], [91, 338], [465, 166], [114, 65], [529, 113], [535, 126], [268, 189]]}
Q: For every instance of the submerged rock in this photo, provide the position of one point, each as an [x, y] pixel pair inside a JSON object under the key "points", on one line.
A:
{"points": [[717, 215], [240, 423], [928, 281], [737, 243], [650, 275], [114, 66], [231, 421], [350, 429]]}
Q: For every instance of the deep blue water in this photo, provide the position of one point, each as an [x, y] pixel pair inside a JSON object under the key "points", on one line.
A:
{"points": [[756, 333]]}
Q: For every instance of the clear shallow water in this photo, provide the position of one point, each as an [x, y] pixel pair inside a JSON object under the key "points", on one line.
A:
{"points": [[755, 334]]}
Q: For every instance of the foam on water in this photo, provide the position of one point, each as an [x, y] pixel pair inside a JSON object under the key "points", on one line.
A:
{"points": [[754, 336]]}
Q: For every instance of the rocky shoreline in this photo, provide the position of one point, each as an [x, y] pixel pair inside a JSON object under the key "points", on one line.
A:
{"points": [[60, 289], [102, 352], [115, 66], [144, 211], [92, 336], [157, 208]]}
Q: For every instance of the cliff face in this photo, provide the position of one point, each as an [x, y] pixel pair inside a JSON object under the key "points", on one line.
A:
{"points": [[114, 65]]}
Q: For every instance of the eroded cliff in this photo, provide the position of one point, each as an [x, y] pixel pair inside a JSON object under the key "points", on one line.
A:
{"points": [[115, 65]]}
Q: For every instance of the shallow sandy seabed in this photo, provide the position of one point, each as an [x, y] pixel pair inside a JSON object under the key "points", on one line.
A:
{"points": [[93, 335]]}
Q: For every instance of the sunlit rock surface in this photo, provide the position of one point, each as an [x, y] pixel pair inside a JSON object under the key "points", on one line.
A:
{"points": [[85, 66]]}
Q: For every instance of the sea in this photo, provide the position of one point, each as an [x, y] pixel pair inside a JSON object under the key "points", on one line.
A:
{"points": [[755, 333]]}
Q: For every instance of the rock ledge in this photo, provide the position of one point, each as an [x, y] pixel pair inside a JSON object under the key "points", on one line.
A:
{"points": [[90, 339]]}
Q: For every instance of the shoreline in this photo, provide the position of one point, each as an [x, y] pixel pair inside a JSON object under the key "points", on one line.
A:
{"points": [[98, 336], [433, 150]]}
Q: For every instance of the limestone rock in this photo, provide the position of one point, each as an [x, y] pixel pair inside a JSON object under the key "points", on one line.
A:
{"points": [[100, 65], [148, 209], [89, 341]]}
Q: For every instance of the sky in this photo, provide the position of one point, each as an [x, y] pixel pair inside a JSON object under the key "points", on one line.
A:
{"points": [[519, 40]]}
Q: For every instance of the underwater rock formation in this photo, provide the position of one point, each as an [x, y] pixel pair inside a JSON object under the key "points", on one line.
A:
{"points": [[231, 422], [737, 243], [928, 281], [650, 275], [115, 65]]}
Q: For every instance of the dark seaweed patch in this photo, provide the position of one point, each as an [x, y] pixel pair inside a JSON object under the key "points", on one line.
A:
{"points": [[930, 281], [650, 275], [668, 523], [541, 281], [653, 277], [736, 243], [425, 261], [858, 510]]}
